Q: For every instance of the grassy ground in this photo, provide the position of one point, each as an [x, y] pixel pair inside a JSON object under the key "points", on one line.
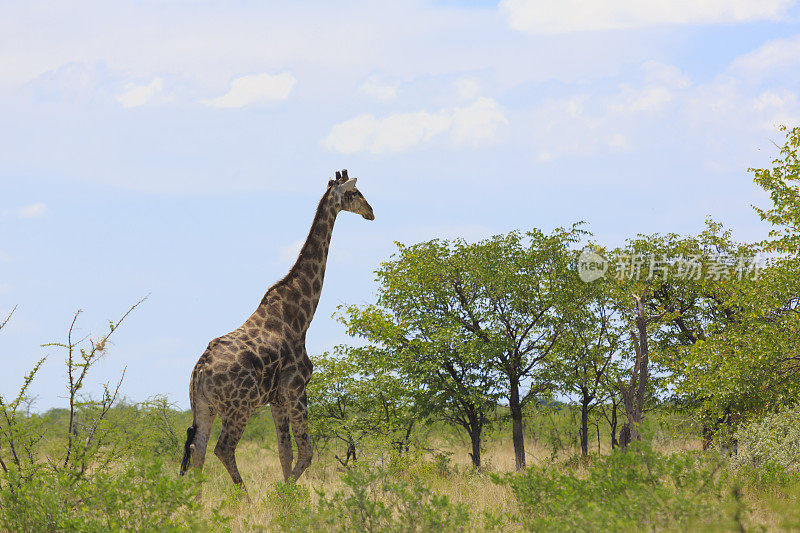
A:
{"points": [[447, 470], [671, 486]]}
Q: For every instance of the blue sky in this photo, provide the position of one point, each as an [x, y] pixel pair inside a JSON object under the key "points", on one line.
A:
{"points": [[178, 148]]}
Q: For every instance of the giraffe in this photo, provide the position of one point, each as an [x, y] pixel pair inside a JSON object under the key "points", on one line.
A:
{"points": [[264, 361]]}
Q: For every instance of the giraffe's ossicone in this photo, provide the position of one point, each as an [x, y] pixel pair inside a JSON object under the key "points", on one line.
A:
{"points": [[265, 361]]}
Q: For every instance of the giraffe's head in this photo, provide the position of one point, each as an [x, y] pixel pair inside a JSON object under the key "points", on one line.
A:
{"points": [[348, 197]]}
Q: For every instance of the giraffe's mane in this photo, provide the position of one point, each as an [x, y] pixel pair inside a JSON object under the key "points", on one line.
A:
{"points": [[317, 215]]}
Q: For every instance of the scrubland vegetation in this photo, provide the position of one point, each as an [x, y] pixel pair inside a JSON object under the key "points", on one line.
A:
{"points": [[501, 385]]}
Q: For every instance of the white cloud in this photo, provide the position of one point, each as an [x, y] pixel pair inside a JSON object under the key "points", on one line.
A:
{"points": [[393, 133], [565, 16], [725, 110], [351, 136], [139, 95], [778, 56], [772, 99], [587, 124], [724, 118], [380, 91], [646, 99], [401, 131], [669, 75], [777, 108], [660, 83], [27, 211], [477, 122], [473, 124], [255, 89], [32, 211], [618, 142], [467, 88], [577, 126]]}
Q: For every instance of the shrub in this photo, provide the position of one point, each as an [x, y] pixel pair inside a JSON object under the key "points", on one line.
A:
{"points": [[628, 490], [371, 500], [90, 476], [772, 440], [291, 504], [137, 496]]}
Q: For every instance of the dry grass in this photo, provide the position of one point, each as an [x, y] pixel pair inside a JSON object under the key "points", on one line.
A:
{"points": [[261, 471]]}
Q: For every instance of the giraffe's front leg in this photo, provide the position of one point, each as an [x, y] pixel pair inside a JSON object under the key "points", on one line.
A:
{"points": [[280, 415], [298, 413]]}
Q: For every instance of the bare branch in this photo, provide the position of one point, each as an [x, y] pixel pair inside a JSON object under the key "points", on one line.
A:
{"points": [[89, 358], [3, 324]]}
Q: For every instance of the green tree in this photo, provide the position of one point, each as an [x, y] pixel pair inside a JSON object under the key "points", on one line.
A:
{"points": [[417, 336], [350, 398], [487, 315], [748, 365], [677, 293], [666, 296], [512, 303], [745, 362], [588, 350], [730, 340]]}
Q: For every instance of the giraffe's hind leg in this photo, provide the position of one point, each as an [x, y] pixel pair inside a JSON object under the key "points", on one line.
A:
{"points": [[204, 418], [280, 414], [232, 429]]}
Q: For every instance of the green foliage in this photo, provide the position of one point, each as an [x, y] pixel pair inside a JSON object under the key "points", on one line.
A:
{"points": [[770, 442], [624, 491], [722, 327], [291, 503], [135, 496], [17, 435], [154, 427], [588, 364], [743, 362], [465, 324], [91, 476], [350, 399], [372, 500], [417, 335], [419, 466], [782, 182]]}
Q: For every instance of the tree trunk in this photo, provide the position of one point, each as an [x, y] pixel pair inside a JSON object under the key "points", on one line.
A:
{"points": [[624, 436], [585, 426], [351, 451], [516, 425], [614, 441], [708, 436], [475, 437], [633, 395]]}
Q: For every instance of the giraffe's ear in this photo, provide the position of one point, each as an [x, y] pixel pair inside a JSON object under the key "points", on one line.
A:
{"points": [[330, 183], [349, 185]]}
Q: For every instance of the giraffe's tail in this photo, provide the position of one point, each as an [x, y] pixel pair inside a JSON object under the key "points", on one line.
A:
{"points": [[187, 448]]}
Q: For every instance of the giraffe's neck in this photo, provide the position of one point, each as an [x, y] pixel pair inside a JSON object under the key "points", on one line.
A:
{"points": [[310, 265], [294, 299]]}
